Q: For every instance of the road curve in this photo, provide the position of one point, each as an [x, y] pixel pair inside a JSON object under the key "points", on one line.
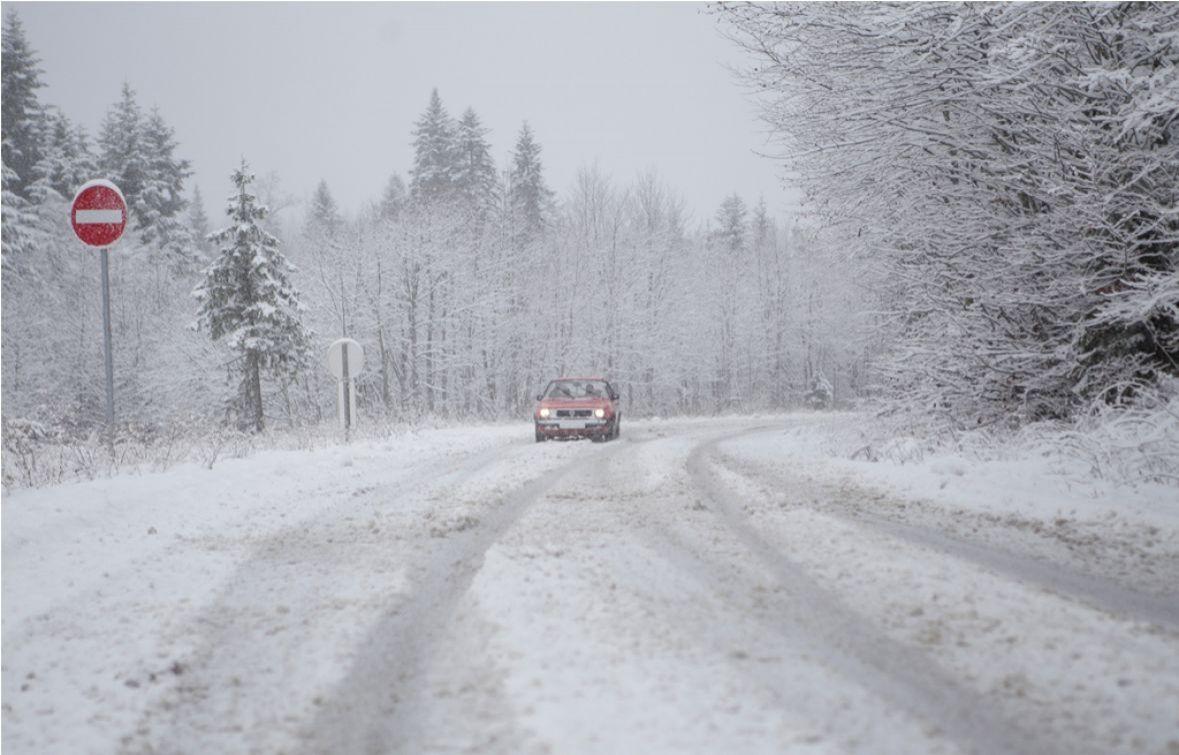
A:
{"points": [[657, 593]]}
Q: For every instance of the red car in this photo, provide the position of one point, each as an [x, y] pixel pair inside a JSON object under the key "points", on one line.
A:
{"points": [[578, 408]]}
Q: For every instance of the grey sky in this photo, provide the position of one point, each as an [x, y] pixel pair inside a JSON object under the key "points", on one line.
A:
{"points": [[331, 90]]}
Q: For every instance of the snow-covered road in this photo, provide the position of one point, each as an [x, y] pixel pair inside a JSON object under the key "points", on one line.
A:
{"points": [[696, 586]]}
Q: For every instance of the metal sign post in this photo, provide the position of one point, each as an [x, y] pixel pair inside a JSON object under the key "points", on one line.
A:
{"points": [[345, 360], [104, 255], [98, 216], [346, 379]]}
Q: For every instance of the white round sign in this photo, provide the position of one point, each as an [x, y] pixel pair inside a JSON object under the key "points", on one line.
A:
{"points": [[335, 358]]}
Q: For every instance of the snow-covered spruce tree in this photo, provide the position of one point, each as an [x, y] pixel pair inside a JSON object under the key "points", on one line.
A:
{"points": [[432, 177], [475, 177], [198, 222], [323, 217], [393, 199], [161, 203], [21, 129], [137, 152], [22, 124], [247, 300], [122, 155], [529, 199], [67, 162], [730, 250], [331, 264]]}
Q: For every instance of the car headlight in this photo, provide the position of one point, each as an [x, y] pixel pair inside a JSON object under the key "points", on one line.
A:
{"points": [[544, 413], [599, 413]]}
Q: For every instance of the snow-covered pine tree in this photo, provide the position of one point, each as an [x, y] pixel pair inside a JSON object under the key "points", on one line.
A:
{"points": [[323, 218], [14, 235], [122, 156], [21, 127], [20, 131], [198, 222], [247, 299], [327, 261], [161, 202], [432, 177], [475, 177], [67, 162], [393, 199], [730, 247], [731, 233], [529, 199]]}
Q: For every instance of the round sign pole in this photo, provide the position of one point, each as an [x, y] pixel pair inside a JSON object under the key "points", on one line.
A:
{"points": [[98, 215], [345, 360], [104, 256], [346, 380]]}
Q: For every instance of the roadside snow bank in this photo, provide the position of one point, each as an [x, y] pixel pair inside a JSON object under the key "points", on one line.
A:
{"points": [[1029, 476]]}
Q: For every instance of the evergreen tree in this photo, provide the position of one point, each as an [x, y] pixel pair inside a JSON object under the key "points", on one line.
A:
{"points": [[529, 198], [475, 176], [163, 188], [138, 153], [14, 237], [324, 217], [122, 157], [731, 218], [762, 226], [394, 198], [248, 300], [432, 177], [21, 127], [159, 214], [198, 222], [66, 162]]}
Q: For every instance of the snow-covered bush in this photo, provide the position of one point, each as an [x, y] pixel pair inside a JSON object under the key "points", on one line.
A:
{"points": [[820, 394], [24, 444]]}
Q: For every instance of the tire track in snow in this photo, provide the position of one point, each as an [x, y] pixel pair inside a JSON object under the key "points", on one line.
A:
{"points": [[1094, 591], [902, 675], [211, 700], [737, 621], [376, 707]]}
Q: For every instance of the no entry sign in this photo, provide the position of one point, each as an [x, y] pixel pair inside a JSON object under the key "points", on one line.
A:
{"points": [[99, 213], [99, 216], [336, 361]]}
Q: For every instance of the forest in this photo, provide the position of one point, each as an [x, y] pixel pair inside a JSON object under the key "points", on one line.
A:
{"points": [[990, 241], [469, 284]]}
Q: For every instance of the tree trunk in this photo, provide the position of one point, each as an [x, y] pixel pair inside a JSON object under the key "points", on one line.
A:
{"points": [[254, 378]]}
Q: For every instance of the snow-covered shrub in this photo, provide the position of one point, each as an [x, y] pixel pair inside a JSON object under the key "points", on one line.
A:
{"points": [[24, 450], [1132, 443], [820, 394]]}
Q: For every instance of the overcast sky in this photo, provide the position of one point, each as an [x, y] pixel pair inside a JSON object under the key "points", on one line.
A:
{"points": [[332, 90]]}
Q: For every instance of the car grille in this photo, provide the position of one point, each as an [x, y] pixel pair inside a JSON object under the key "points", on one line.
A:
{"points": [[569, 413]]}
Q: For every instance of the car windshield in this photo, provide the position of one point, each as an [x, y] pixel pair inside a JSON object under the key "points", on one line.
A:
{"points": [[577, 389]]}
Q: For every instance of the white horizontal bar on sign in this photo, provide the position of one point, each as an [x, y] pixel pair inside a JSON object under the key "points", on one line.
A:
{"points": [[98, 216]]}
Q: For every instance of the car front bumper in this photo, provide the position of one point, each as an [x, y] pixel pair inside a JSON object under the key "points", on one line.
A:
{"points": [[567, 428]]}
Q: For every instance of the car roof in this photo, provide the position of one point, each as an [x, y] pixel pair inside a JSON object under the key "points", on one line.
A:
{"points": [[584, 378]]}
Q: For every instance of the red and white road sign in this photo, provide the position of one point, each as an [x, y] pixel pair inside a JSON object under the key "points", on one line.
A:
{"points": [[99, 213]]}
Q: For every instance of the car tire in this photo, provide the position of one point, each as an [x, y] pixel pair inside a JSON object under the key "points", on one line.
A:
{"points": [[617, 428], [540, 437]]}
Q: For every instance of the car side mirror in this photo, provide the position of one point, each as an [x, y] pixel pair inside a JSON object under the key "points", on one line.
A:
{"points": [[540, 397], [614, 396]]}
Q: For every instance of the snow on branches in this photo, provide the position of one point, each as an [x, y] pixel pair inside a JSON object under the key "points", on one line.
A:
{"points": [[247, 299], [1010, 173]]}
